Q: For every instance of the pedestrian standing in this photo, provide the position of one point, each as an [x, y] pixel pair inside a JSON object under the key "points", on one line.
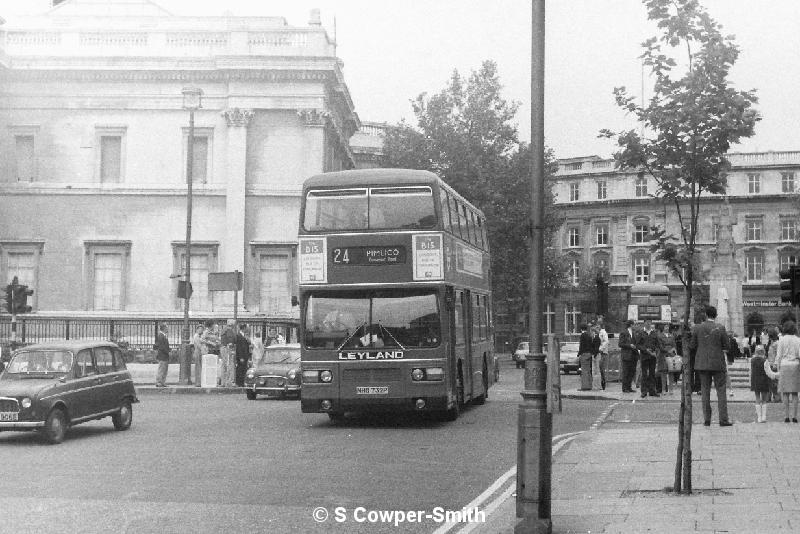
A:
{"points": [[709, 343], [585, 358], [771, 350], [628, 356], [648, 352], [733, 353], [242, 353], [197, 354], [788, 363], [226, 353], [161, 347], [666, 349], [760, 382], [602, 358], [594, 331]]}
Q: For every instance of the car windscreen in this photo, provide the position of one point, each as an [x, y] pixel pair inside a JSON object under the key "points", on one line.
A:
{"points": [[281, 355], [40, 361], [396, 318]]}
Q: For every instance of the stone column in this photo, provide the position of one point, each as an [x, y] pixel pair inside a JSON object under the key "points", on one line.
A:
{"points": [[725, 277], [233, 249]]}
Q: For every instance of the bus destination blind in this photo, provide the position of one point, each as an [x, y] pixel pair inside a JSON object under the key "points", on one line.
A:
{"points": [[389, 255]]}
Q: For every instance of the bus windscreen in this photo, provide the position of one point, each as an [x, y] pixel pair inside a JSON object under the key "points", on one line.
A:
{"points": [[374, 319], [379, 208]]}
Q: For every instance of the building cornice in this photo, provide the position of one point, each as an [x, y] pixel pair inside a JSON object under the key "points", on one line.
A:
{"points": [[180, 75]]}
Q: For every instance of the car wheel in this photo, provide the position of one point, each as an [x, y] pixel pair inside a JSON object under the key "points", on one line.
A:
{"points": [[55, 426], [453, 413], [124, 417], [251, 395]]}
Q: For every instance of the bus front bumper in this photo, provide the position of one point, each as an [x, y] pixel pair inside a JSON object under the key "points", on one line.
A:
{"points": [[411, 404]]}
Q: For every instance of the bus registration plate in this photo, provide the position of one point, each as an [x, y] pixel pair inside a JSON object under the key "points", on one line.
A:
{"points": [[372, 390], [9, 416]]}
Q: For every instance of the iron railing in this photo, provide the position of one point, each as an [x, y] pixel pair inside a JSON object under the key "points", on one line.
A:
{"points": [[135, 333]]}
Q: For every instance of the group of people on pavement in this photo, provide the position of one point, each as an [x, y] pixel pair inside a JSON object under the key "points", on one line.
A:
{"points": [[593, 355], [775, 367], [649, 357], [234, 346]]}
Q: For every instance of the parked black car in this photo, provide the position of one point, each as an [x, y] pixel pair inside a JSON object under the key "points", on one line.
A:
{"points": [[50, 387]]}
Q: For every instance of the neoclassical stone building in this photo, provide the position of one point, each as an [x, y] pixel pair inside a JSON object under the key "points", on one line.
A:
{"points": [[607, 214], [93, 143]]}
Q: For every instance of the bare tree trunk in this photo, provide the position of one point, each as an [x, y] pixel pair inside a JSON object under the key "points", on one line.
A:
{"points": [[688, 376], [676, 485]]}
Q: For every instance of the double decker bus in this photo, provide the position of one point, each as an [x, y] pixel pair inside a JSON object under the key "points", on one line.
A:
{"points": [[395, 295]]}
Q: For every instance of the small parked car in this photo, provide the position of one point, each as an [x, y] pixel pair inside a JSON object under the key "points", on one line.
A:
{"points": [[568, 357], [277, 373], [520, 354], [50, 387]]}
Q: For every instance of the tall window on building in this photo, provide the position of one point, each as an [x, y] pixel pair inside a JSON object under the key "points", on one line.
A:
{"points": [[788, 258], [641, 186], [21, 259], [110, 159], [787, 182], [574, 237], [715, 232], [204, 261], [640, 233], [641, 269], [571, 317], [549, 318], [107, 273], [574, 271], [601, 234], [753, 183], [107, 278], [754, 229], [201, 166], [275, 284], [602, 189], [788, 229], [25, 158], [754, 266], [574, 191]]}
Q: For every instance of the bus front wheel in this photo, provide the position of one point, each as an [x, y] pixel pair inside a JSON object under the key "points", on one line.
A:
{"points": [[481, 399]]}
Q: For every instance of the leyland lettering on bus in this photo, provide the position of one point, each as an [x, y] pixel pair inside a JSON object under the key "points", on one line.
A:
{"points": [[382, 355]]}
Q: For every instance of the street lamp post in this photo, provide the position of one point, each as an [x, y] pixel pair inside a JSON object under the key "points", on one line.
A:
{"points": [[192, 97]]}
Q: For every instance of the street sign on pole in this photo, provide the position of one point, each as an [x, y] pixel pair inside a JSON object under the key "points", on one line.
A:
{"points": [[231, 281]]}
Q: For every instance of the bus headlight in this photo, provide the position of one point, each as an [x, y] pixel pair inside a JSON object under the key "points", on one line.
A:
{"points": [[325, 376], [434, 373], [417, 374]]}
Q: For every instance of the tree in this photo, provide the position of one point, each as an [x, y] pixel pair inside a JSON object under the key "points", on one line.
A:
{"points": [[691, 122], [465, 134]]}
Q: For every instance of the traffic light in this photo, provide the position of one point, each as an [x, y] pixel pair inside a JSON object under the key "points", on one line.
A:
{"points": [[790, 285], [21, 294]]}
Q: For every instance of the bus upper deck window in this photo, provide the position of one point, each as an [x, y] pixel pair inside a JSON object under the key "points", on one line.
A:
{"points": [[401, 208], [336, 209]]}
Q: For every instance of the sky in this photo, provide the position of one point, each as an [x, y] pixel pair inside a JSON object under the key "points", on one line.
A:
{"points": [[395, 50]]}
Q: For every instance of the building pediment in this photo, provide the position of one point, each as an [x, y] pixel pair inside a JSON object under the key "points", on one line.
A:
{"points": [[109, 8]]}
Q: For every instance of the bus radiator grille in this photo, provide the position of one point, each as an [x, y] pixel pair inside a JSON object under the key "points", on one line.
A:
{"points": [[372, 374]]}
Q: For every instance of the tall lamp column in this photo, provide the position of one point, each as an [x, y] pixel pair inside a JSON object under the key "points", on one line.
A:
{"points": [[192, 97]]}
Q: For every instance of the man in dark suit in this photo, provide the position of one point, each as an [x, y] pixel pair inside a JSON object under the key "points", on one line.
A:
{"points": [[162, 355], [648, 350], [628, 356], [243, 353], [710, 343]]}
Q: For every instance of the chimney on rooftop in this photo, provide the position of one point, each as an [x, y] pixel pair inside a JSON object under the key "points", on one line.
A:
{"points": [[314, 19]]}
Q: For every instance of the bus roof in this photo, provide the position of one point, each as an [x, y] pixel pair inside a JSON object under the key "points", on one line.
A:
{"points": [[379, 177], [649, 289]]}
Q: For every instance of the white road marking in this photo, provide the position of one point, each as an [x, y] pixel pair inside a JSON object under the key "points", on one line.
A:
{"points": [[478, 503]]}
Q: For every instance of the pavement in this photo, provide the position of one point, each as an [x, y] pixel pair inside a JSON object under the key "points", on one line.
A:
{"points": [[618, 480], [144, 379]]}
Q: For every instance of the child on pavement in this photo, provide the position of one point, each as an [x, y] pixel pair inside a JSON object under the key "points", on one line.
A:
{"points": [[760, 383]]}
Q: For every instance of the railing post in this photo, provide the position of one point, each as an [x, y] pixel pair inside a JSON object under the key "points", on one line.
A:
{"points": [[66, 329], [22, 335]]}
